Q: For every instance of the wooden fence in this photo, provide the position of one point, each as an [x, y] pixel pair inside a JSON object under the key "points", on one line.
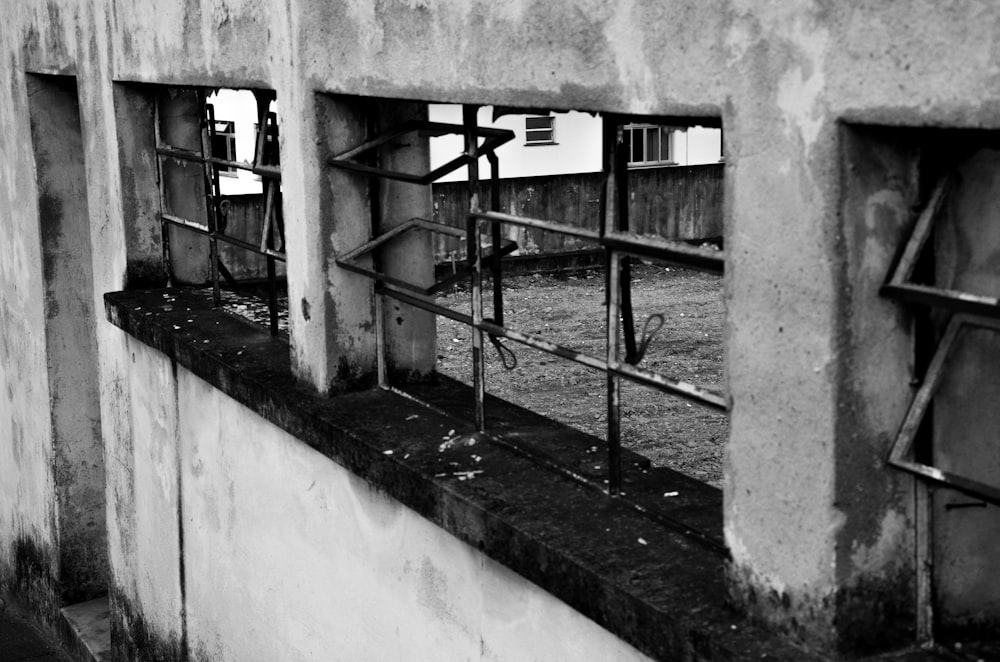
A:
{"points": [[683, 202]]}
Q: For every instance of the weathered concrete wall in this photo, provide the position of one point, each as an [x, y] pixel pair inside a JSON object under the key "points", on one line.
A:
{"points": [[28, 548], [78, 462], [674, 203], [813, 518], [236, 522]]}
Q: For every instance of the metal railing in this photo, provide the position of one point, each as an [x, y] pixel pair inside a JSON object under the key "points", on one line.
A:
{"points": [[265, 164]]}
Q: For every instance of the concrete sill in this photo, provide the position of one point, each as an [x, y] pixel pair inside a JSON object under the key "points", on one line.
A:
{"points": [[653, 578]]}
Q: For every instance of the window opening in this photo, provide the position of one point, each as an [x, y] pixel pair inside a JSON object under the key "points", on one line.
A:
{"points": [[621, 245], [539, 130], [216, 156]]}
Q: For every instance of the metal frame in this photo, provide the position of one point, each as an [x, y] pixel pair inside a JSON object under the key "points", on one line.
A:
{"points": [[493, 139], [970, 310], [901, 455], [619, 243], [264, 164]]}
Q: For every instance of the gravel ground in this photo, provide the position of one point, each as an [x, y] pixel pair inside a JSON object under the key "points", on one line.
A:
{"points": [[569, 310]]}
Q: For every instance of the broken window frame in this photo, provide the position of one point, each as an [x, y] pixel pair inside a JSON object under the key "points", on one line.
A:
{"points": [[265, 164], [968, 310]]}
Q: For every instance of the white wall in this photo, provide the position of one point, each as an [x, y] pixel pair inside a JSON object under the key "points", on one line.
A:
{"points": [[240, 107], [289, 556], [577, 145]]}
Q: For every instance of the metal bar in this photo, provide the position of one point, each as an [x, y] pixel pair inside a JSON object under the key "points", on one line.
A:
{"points": [[959, 302], [539, 224], [674, 252], [633, 373], [623, 303], [921, 232], [902, 449], [271, 172], [377, 241], [495, 266], [469, 121], [612, 309], [211, 191], [161, 185]]}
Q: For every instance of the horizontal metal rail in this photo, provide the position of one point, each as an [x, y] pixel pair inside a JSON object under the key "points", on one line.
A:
{"points": [[271, 172], [646, 246], [633, 373], [201, 229]]}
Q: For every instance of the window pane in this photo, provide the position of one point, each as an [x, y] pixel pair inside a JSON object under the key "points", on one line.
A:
{"points": [[638, 144], [652, 144], [665, 152], [538, 123]]}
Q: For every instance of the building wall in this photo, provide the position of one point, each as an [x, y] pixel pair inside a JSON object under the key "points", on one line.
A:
{"points": [[577, 147], [263, 549], [817, 526]]}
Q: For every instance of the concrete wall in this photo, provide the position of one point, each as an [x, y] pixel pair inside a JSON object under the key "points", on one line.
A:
{"points": [[818, 528], [249, 545]]}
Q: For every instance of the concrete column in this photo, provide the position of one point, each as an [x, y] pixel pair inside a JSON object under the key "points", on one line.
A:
{"points": [[331, 310], [184, 185], [70, 336], [820, 366], [410, 332], [137, 160]]}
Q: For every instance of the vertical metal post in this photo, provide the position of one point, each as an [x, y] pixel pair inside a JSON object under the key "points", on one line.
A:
{"points": [[611, 154], [211, 191], [469, 119], [263, 155], [495, 266], [164, 226]]}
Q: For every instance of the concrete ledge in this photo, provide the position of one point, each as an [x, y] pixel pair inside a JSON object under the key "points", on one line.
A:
{"points": [[86, 630], [653, 578]]}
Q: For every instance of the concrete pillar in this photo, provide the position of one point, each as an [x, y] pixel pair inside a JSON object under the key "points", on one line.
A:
{"points": [[134, 116], [410, 332], [820, 367], [331, 310], [70, 337], [184, 185]]}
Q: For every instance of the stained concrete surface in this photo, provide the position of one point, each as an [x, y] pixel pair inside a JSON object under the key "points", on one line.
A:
{"points": [[20, 641]]}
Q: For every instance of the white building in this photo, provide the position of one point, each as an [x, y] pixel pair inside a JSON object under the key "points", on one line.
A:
{"points": [[570, 142]]}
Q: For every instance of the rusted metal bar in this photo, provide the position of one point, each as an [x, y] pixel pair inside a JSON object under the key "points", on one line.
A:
{"points": [[621, 197], [921, 232], [901, 455], [272, 172], [164, 227], [677, 387], [539, 224], [496, 269], [469, 120], [613, 310], [211, 192]]}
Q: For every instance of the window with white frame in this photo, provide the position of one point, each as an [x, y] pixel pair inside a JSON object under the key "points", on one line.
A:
{"points": [[649, 145], [539, 130], [223, 137]]}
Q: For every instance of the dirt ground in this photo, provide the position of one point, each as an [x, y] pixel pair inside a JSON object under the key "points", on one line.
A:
{"points": [[569, 310]]}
